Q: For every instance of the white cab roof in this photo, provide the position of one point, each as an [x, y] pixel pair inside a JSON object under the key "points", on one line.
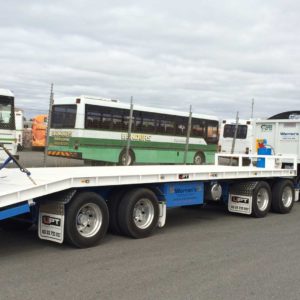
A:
{"points": [[5, 92]]}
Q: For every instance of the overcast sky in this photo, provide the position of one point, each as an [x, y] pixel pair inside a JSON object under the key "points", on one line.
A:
{"points": [[213, 55]]}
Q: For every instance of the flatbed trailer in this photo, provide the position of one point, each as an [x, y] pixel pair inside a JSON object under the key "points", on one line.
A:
{"points": [[79, 204]]}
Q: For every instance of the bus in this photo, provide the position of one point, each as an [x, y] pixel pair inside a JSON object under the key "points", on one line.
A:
{"points": [[7, 123], [96, 130], [19, 122], [39, 127]]}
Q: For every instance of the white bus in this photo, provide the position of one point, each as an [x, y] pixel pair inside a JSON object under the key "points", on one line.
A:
{"points": [[95, 129], [7, 123], [19, 122]]}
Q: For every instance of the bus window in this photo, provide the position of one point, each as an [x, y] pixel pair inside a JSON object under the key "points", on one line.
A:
{"points": [[148, 125], [98, 117], [198, 128], [6, 114], [230, 129], [165, 124], [63, 116], [137, 122], [212, 133], [117, 120], [181, 126]]}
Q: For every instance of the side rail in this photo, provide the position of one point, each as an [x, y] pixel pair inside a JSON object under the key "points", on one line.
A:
{"points": [[257, 161]]}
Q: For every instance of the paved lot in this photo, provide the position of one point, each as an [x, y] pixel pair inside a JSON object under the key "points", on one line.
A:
{"points": [[202, 253], [36, 159]]}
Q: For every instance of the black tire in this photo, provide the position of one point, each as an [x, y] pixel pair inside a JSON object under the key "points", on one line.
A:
{"points": [[122, 158], [283, 196], [113, 207], [15, 225], [147, 203], [96, 207], [261, 200], [199, 158]]}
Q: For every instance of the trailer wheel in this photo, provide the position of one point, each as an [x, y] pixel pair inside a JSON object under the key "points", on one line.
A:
{"points": [[199, 158], [283, 196], [261, 200], [138, 213], [113, 206], [86, 220]]}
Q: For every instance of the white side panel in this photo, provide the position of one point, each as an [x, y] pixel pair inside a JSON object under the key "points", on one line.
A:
{"points": [[283, 136]]}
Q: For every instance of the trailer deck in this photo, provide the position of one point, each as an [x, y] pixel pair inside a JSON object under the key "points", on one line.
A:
{"points": [[16, 187]]}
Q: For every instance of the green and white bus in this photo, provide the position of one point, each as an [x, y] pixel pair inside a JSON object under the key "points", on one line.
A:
{"points": [[96, 130]]}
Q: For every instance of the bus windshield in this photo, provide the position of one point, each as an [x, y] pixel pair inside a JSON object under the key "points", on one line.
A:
{"points": [[6, 113], [230, 129], [63, 116]]}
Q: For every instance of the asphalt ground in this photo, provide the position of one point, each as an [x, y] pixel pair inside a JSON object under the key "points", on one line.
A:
{"points": [[201, 253]]}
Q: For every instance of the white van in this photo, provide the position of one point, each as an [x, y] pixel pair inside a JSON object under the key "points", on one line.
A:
{"points": [[281, 135], [244, 137]]}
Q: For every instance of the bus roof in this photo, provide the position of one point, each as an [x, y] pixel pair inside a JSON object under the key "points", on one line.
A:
{"points": [[115, 103], [6, 92]]}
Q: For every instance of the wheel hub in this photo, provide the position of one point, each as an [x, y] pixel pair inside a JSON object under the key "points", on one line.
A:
{"points": [[89, 220], [83, 220], [262, 199], [287, 196], [143, 213]]}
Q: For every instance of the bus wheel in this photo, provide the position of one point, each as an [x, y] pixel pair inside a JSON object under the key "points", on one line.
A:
{"points": [[138, 213], [122, 158], [283, 196], [199, 158], [261, 200], [86, 220]]}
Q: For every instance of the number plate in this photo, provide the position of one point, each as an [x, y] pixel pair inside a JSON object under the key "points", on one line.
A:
{"points": [[240, 204], [51, 227]]}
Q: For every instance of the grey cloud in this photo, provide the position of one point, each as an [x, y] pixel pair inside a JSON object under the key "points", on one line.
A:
{"points": [[214, 55]]}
